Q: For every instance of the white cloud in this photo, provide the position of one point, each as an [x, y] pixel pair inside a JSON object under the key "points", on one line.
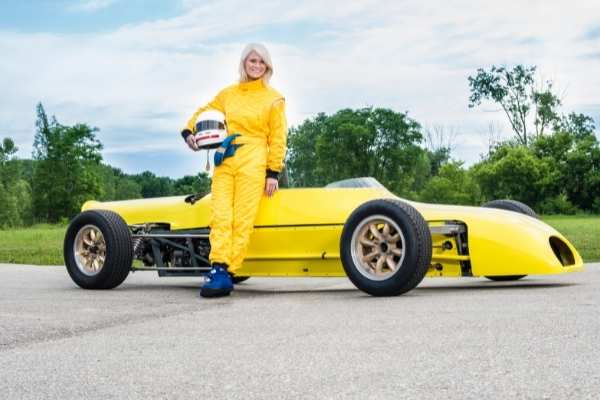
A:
{"points": [[146, 79]]}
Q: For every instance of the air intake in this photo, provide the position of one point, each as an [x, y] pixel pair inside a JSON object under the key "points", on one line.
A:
{"points": [[562, 252]]}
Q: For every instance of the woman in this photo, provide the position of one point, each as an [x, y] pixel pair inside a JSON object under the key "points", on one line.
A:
{"points": [[256, 111]]}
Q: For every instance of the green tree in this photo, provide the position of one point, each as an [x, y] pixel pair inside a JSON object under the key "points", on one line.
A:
{"points": [[546, 108], [9, 168], [7, 149], [9, 214], [367, 142], [15, 192], [439, 140], [26, 168], [452, 185], [65, 173], [153, 186], [108, 181], [582, 174], [580, 125], [514, 172], [575, 164], [514, 90], [190, 184], [437, 159], [21, 191], [116, 185], [127, 188], [302, 152]]}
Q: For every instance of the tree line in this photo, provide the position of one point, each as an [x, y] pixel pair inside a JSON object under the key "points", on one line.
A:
{"points": [[552, 162], [66, 169]]}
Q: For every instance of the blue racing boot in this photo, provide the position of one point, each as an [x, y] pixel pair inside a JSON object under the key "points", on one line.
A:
{"points": [[219, 282]]}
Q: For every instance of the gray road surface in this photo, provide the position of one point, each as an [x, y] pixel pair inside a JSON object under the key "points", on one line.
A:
{"points": [[298, 338]]}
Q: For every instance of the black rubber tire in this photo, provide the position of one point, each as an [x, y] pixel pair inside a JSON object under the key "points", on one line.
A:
{"points": [[511, 205], [119, 251], [417, 251], [239, 279], [516, 206], [505, 278]]}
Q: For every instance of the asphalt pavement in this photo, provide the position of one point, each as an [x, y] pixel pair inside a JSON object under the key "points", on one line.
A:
{"points": [[277, 338]]}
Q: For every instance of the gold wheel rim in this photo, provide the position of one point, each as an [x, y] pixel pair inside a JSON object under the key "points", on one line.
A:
{"points": [[90, 250], [378, 247]]}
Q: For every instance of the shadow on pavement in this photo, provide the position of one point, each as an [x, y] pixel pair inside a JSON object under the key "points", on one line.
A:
{"points": [[495, 285], [262, 289]]}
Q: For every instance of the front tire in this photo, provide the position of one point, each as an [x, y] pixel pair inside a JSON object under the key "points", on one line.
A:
{"points": [[385, 247], [97, 249]]}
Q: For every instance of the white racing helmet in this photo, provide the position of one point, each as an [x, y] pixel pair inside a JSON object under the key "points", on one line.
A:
{"points": [[210, 129]]}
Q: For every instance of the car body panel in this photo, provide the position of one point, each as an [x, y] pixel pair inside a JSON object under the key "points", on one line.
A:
{"points": [[297, 233]]}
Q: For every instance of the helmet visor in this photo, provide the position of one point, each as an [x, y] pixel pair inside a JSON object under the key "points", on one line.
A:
{"points": [[208, 125]]}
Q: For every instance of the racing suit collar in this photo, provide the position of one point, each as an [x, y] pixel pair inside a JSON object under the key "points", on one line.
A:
{"points": [[252, 85]]}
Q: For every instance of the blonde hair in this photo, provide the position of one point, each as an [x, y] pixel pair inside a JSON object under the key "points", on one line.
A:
{"points": [[264, 54]]}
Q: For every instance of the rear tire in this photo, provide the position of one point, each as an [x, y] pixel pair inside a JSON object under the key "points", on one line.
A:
{"points": [[511, 205], [385, 247], [516, 206], [98, 250]]}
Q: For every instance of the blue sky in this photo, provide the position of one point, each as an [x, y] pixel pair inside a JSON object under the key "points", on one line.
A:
{"points": [[137, 69], [93, 16]]}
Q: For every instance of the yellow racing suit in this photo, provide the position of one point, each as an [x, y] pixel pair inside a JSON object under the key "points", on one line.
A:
{"points": [[256, 112]]}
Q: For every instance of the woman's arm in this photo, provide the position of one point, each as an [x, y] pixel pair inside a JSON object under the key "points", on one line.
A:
{"points": [[277, 138], [214, 104]]}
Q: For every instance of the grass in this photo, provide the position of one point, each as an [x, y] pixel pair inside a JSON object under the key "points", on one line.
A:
{"points": [[42, 244], [38, 245], [583, 231]]}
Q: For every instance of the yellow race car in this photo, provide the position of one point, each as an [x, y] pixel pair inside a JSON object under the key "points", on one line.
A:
{"points": [[356, 228]]}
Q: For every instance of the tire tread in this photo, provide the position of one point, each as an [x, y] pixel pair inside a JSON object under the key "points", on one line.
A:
{"points": [[420, 260], [511, 205], [425, 246], [119, 249]]}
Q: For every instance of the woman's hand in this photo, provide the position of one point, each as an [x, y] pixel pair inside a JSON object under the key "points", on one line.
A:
{"points": [[191, 142], [271, 186]]}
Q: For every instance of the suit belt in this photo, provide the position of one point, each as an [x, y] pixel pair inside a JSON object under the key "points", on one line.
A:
{"points": [[250, 139]]}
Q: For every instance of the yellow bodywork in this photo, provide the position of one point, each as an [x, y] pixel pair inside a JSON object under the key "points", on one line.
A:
{"points": [[297, 233]]}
